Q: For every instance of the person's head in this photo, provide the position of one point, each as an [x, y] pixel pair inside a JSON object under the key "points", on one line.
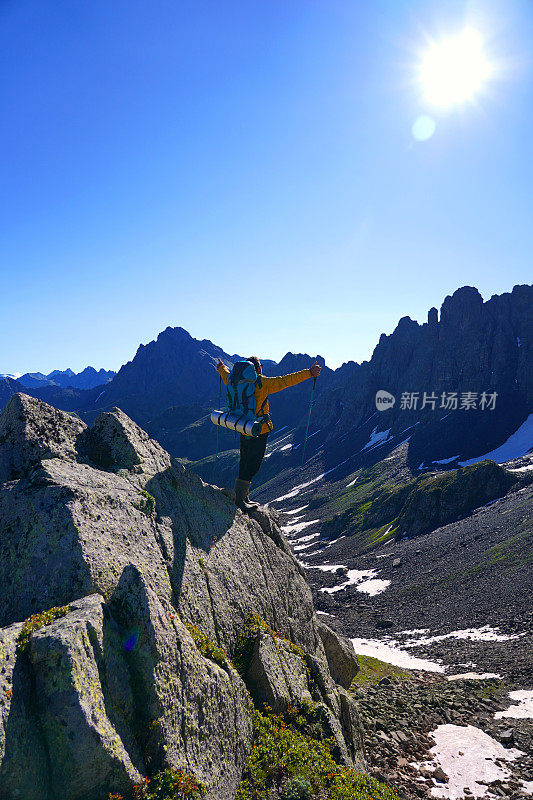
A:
{"points": [[257, 364]]}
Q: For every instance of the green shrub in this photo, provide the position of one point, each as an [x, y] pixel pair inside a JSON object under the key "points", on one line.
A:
{"points": [[351, 785], [173, 784], [283, 757], [297, 789], [146, 503], [278, 751], [208, 648], [37, 621], [169, 784]]}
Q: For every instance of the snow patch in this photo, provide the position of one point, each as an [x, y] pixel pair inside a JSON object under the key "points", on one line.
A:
{"points": [[468, 755], [415, 630], [376, 438], [308, 538], [484, 634], [293, 493], [308, 543], [365, 580], [301, 486], [524, 709], [334, 541], [353, 576], [373, 586], [296, 527], [473, 676], [327, 567], [520, 443], [522, 469], [296, 510], [392, 654]]}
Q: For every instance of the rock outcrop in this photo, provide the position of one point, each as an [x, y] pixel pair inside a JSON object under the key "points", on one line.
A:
{"points": [[341, 657], [438, 499], [142, 558]]}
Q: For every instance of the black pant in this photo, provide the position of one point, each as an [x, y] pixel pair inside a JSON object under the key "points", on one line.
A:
{"points": [[252, 452]]}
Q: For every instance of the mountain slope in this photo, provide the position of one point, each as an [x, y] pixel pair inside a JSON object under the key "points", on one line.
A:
{"points": [[9, 387]]}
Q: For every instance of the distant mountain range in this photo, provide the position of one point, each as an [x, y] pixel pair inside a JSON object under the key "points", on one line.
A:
{"points": [[474, 352], [87, 379]]}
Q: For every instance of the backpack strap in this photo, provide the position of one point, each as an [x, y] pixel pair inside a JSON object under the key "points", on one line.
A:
{"points": [[261, 415]]}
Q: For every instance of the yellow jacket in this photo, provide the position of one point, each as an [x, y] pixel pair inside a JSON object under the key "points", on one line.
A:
{"points": [[269, 386]]}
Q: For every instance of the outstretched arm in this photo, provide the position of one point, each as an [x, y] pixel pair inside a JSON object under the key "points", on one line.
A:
{"points": [[273, 385], [223, 371]]}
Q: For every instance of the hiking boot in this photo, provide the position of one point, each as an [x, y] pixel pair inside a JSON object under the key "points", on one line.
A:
{"points": [[242, 500], [251, 503]]}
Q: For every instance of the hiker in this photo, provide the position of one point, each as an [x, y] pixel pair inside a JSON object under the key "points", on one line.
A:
{"points": [[253, 447]]}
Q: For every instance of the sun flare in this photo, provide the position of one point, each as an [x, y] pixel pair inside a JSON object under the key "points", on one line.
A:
{"points": [[455, 69]]}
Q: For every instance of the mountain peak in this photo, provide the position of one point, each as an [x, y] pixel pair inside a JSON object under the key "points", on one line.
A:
{"points": [[174, 333], [462, 307]]}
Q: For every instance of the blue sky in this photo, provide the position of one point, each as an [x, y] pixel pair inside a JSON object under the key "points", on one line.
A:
{"points": [[248, 171]]}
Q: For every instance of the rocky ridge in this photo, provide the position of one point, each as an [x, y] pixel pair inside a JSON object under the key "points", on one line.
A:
{"points": [[142, 564]]}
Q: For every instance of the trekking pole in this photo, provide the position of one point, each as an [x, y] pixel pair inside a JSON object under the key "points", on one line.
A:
{"points": [[219, 402], [308, 418]]}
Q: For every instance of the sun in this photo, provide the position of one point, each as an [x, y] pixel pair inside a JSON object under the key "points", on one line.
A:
{"points": [[455, 69]]}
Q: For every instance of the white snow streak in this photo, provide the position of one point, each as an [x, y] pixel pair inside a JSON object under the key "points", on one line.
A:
{"points": [[373, 586], [473, 676], [484, 634], [520, 443], [301, 486], [522, 469], [524, 709], [392, 654], [296, 527], [467, 755], [377, 437], [296, 510], [364, 578]]}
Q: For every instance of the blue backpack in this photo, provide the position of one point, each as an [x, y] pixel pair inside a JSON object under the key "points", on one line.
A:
{"points": [[242, 382]]}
